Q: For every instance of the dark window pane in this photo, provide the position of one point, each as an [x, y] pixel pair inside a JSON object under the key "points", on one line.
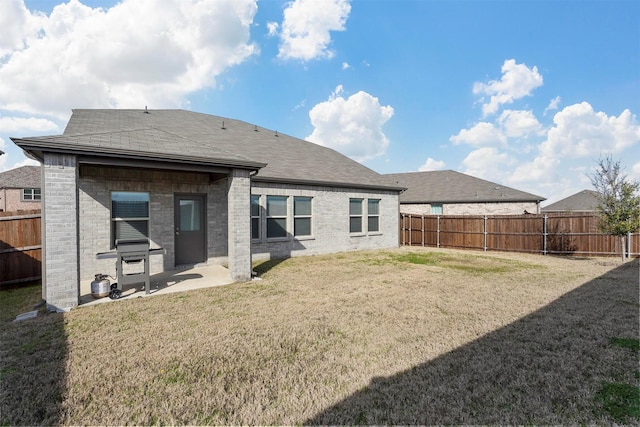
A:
{"points": [[373, 207], [355, 206], [255, 228], [355, 224], [125, 230], [302, 227], [302, 206], [373, 223], [255, 205], [129, 205], [276, 205], [276, 227]]}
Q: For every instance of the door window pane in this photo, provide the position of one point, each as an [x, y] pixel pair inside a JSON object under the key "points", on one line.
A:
{"points": [[189, 215]]}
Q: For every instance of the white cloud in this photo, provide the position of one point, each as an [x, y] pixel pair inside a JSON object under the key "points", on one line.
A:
{"points": [[32, 124], [553, 105], [482, 134], [305, 30], [517, 81], [488, 163], [272, 28], [579, 131], [130, 55], [345, 65], [431, 165], [518, 123], [26, 162], [635, 171], [352, 126]]}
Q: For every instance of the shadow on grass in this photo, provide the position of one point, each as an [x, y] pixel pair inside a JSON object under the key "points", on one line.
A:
{"points": [[262, 267], [32, 362], [546, 368]]}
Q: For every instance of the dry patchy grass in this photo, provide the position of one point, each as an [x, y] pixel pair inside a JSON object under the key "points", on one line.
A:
{"points": [[407, 336]]}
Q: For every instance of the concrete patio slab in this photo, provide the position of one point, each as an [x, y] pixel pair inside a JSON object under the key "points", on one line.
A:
{"points": [[198, 277]]}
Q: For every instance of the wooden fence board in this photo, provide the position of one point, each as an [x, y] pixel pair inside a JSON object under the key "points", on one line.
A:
{"points": [[554, 234], [20, 246]]}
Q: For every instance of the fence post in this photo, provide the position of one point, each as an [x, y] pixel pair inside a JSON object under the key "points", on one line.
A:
{"points": [[410, 224], [422, 218], [438, 231], [544, 235], [629, 244], [484, 226]]}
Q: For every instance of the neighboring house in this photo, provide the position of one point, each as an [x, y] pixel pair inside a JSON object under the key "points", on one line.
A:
{"points": [[20, 189], [449, 192], [206, 189], [583, 201]]}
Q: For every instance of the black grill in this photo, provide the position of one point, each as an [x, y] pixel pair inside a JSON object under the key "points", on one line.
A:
{"points": [[132, 252]]}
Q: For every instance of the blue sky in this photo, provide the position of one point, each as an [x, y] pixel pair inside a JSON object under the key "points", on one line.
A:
{"points": [[529, 94]]}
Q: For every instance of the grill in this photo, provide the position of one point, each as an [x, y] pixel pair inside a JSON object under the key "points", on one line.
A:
{"points": [[132, 252]]}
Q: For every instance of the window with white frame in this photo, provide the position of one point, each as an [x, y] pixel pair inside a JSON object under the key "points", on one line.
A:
{"points": [[255, 217], [129, 215], [302, 216], [276, 217], [373, 215], [31, 194], [436, 208], [355, 215]]}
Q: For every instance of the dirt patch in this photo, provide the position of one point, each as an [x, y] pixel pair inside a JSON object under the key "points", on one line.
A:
{"points": [[406, 336]]}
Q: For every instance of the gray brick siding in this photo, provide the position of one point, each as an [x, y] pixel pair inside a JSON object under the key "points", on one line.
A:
{"points": [[329, 222], [94, 192], [60, 232]]}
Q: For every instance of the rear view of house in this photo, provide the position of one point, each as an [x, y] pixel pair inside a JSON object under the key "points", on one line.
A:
{"points": [[205, 189]]}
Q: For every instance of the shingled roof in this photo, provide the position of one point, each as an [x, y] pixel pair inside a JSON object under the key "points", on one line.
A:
{"points": [[201, 139], [449, 186], [583, 201], [22, 177]]}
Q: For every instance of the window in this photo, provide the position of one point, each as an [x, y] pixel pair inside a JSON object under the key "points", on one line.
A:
{"points": [[373, 212], [355, 215], [255, 217], [31, 194], [302, 216], [276, 216], [436, 208], [129, 215]]}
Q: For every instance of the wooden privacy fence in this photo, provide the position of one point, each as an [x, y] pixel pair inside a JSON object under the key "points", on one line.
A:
{"points": [[544, 234], [20, 247]]}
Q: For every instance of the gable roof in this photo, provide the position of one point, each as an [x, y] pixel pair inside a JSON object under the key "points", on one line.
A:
{"points": [[582, 201], [449, 186], [22, 177], [194, 138]]}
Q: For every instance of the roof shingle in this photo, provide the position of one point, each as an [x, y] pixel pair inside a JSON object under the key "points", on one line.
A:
{"points": [[192, 136], [449, 186]]}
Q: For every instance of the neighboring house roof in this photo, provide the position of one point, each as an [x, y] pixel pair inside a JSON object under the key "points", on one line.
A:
{"points": [[22, 177], [449, 186], [201, 139], [583, 201]]}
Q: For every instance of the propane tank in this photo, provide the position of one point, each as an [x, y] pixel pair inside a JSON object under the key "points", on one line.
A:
{"points": [[100, 286]]}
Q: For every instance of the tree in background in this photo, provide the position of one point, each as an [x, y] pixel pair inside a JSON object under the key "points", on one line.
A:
{"points": [[619, 201]]}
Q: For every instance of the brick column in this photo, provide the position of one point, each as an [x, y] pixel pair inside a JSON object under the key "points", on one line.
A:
{"points": [[239, 220], [60, 232]]}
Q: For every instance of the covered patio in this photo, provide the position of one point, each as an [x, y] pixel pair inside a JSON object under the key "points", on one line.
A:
{"points": [[198, 277]]}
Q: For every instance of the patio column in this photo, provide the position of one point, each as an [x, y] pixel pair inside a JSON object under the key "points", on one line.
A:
{"points": [[239, 205], [60, 276]]}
